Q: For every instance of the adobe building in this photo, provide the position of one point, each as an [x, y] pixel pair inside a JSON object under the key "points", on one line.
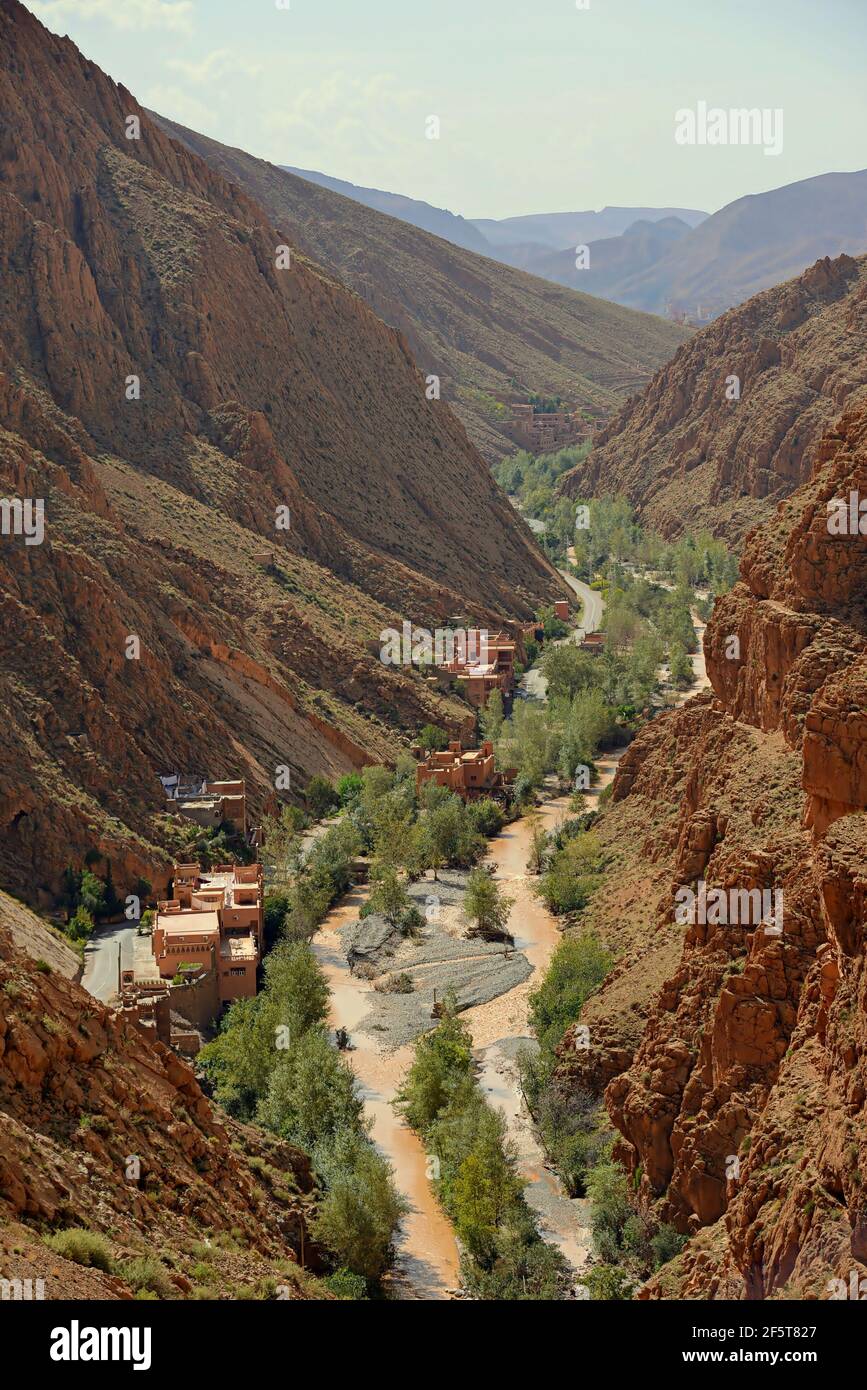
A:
{"points": [[485, 663], [544, 431], [470, 773], [207, 803], [213, 926]]}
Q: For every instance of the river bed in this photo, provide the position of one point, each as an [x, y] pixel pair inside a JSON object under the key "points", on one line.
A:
{"points": [[427, 1263]]}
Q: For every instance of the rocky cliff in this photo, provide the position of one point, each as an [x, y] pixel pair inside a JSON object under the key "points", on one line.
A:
{"points": [[103, 1129], [243, 484], [736, 1074], [730, 425]]}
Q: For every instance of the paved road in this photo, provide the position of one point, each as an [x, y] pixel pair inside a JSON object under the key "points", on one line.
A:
{"points": [[593, 602], [100, 959], [533, 682]]}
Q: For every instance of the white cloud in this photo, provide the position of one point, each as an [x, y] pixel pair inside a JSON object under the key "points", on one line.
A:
{"points": [[345, 118], [218, 64], [174, 15]]}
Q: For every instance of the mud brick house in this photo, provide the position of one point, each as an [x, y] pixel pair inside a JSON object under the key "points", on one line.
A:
{"points": [[207, 803], [483, 662], [471, 773], [215, 922], [542, 431]]}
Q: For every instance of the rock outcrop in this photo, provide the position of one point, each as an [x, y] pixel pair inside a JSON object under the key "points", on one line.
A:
{"points": [[104, 1129], [730, 425], [738, 1086]]}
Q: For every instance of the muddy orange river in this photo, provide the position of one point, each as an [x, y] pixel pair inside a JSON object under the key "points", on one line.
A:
{"points": [[427, 1264]]}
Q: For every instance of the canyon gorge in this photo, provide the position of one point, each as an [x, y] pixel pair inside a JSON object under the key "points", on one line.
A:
{"points": [[216, 378]]}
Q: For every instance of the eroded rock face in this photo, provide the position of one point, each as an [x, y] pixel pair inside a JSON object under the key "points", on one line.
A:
{"points": [[164, 389], [741, 1110], [82, 1091], [691, 456]]}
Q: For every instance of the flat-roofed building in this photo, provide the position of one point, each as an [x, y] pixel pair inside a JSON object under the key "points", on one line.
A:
{"points": [[471, 773], [484, 662], [215, 921]]}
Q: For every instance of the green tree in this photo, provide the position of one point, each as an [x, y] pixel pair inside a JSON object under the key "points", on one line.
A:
{"points": [[388, 894], [432, 738], [579, 964], [567, 669], [281, 845], [538, 846], [361, 1208], [80, 924], [312, 1094], [91, 893], [680, 667], [321, 796], [486, 907], [491, 717]]}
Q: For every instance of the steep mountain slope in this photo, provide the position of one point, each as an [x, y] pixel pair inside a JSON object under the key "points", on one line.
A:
{"points": [[486, 331], [165, 388], [737, 1078], [752, 244], [35, 937], [83, 1094], [690, 456], [438, 221]]}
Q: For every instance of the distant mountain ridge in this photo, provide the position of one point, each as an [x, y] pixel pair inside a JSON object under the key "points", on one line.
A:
{"points": [[439, 221], [713, 263], [750, 245], [559, 231]]}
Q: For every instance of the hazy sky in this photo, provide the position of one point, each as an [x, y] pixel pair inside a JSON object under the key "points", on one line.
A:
{"points": [[543, 106]]}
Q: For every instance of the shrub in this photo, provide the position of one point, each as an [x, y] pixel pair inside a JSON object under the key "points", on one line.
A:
{"points": [[486, 816], [347, 1285], [82, 1247], [432, 738], [321, 796], [665, 1244], [349, 788], [578, 965], [148, 1276], [361, 1208], [81, 925], [395, 984]]}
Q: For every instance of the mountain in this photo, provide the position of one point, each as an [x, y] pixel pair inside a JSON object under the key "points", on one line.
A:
{"points": [[175, 401], [559, 231], [614, 260], [438, 221], [690, 456], [488, 332], [733, 1060], [750, 245]]}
